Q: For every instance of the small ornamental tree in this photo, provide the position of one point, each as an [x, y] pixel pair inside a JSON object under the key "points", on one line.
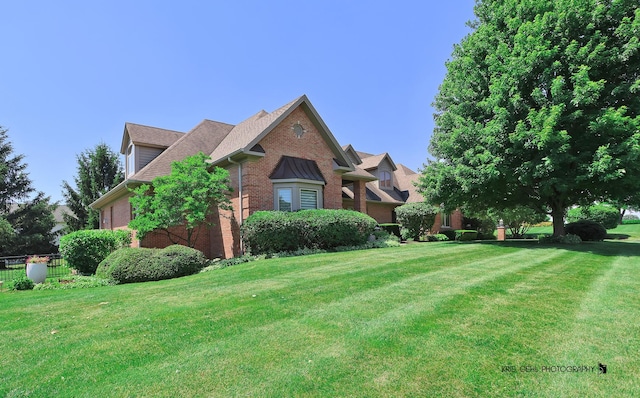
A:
{"points": [[518, 219], [187, 197], [417, 218]]}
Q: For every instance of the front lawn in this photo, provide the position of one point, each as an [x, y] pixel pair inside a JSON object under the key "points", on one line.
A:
{"points": [[435, 319]]}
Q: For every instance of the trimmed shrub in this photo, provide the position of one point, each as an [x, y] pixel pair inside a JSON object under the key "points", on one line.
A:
{"points": [[630, 221], [485, 227], [84, 250], [392, 228], [449, 233], [437, 238], [466, 235], [587, 230], [129, 265], [273, 231], [603, 214], [417, 218]]}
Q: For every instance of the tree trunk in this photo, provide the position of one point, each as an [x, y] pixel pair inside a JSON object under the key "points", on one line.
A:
{"points": [[557, 213], [621, 211]]}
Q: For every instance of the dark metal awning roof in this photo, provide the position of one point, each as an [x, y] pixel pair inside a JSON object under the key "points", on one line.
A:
{"points": [[289, 168]]}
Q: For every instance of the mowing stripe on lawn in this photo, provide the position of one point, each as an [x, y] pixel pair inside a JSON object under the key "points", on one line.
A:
{"points": [[420, 320]]}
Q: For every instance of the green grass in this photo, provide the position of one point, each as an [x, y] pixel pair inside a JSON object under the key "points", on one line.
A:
{"points": [[431, 319], [53, 273]]}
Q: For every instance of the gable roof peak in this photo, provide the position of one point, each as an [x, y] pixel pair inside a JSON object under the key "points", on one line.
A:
{"points": [[373, 161], [246, 134], [147, 135]]}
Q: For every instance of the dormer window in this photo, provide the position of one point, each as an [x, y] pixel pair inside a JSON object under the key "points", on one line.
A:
{"points": [[385, 180], [130, 159]]}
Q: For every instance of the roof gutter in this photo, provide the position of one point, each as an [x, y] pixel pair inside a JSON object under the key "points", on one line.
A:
{"points": [[115, 193]]}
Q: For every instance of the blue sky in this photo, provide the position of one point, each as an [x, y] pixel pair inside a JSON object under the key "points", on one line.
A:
{"points": [[73, 72]]}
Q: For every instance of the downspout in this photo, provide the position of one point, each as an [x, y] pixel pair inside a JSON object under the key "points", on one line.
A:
{"points": [[239, 164]]}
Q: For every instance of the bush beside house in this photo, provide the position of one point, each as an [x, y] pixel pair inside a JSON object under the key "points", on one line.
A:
{"points": [[416, 219], [85, 249], [274, 231], [129, 265]]}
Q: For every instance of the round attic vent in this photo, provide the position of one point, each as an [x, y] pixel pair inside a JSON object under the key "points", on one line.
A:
{"points": [[298, 130]]}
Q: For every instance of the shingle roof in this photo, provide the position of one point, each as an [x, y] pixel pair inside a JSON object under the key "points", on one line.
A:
{"points": [[148, 136], [373, 161], [364, 154], [348, 149], [406, 179], [359, 174], [203, 138], [247, 131]]}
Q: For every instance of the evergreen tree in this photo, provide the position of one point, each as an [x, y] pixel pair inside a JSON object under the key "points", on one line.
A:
{"points": [[99, 170], [540, 107], [25, 225], [15, 184], [33, 222]]}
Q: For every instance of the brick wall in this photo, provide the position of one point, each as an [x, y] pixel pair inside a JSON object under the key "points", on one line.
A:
{"points": [[282, 141], [116, 215], [200, 239], [224, 241], [382, 213], [455, 222]]}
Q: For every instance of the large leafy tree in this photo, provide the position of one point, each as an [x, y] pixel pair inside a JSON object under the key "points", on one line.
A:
{"points": [[25, 224], [540, 107], [187, 197], [99, 170]]}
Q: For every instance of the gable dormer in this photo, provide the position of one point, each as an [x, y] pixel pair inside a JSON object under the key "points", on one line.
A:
{"points": [[352, 154], [381, 166], [141, 144]]}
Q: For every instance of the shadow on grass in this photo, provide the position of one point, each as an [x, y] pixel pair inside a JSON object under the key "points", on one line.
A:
{"points": [[618, 236], [606, 248]]}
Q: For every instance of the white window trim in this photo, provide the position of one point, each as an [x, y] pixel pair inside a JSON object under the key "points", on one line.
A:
{"points": [[130, 159]]}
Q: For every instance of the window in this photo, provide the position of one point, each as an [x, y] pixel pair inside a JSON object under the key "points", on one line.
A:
{"points": [[131, 164], [296, 196], [285, 202], [446, 219], [385, 180], [308, 199]]}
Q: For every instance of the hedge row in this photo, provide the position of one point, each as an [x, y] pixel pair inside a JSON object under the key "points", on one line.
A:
{"points": [[267, 232]]}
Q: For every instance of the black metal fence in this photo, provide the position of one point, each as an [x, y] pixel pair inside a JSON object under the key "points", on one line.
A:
{"points": [[15, 266]]}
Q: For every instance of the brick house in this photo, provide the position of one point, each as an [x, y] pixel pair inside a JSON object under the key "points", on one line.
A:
{"points": [[284, 160]]}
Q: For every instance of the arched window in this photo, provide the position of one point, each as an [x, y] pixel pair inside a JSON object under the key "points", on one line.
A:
{"points": [[131, 163]]}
